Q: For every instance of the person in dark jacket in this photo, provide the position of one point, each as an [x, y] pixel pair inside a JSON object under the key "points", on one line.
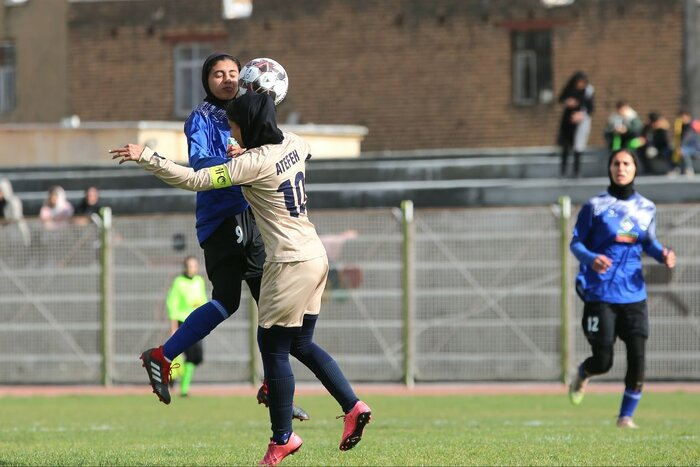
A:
{"points": [[575, 126], [656, 143]]}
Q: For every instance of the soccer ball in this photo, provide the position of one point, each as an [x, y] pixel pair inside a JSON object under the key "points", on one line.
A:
{"points": [[264, 76]]}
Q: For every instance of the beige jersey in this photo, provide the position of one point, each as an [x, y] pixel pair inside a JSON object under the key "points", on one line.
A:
{"points": [[273, 180]]}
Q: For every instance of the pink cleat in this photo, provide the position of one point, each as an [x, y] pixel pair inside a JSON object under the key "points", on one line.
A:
{"points": [[277, 452], [355, 422]]}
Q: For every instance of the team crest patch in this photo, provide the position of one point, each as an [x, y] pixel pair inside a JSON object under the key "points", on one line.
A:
{"points": [[626, 235], [626, 224]]}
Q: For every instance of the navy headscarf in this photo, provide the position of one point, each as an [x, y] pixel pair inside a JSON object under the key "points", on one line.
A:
{"points": [[255, 114], [206, 68]]}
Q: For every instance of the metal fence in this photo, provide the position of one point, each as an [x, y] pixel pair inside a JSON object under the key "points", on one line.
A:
{"points": [[485, 292]]}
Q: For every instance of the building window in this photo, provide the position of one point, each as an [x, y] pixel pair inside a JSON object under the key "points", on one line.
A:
{"points": [[532, 67], [7, 77], [188, 76]]}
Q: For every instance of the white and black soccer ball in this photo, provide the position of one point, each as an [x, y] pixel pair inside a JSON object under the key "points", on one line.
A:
{"points": [[264, 76]]}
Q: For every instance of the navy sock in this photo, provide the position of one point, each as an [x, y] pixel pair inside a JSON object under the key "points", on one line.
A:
{"points": [[274, 346], [337, 384], [322, 365], [630, 400], [281, 397], [281, 438], [195, 328]]}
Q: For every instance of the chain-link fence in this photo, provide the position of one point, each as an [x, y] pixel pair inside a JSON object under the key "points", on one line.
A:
{"points": [[49, 304], [486, 298]]}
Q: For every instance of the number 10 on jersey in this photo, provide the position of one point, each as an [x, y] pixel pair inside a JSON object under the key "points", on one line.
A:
{"points": [[294, 194]]}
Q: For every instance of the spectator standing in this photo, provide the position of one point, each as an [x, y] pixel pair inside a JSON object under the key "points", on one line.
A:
{"points": [[56, 211], [575, 127]]}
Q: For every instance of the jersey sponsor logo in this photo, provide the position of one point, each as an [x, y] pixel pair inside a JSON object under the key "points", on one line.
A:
{"points": [[220, 177], [287, 161], [626, 237]]}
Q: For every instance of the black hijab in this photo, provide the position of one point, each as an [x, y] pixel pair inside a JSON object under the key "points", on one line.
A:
{"points": [[570, 90], [255, 114], [206, 68], [622, 191]]}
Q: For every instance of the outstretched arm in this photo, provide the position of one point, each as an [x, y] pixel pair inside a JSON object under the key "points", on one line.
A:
{"points": [[172, 173]]}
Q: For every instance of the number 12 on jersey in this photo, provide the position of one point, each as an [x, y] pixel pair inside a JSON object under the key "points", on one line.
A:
{"points": [[294, 195]]}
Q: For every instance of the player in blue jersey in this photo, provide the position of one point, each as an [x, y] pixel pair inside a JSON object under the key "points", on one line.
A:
{"points": [[226, 228], [612, 230]]}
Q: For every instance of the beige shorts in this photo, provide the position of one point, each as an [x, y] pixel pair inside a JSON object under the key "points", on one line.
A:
{"points": [[291, 290]]}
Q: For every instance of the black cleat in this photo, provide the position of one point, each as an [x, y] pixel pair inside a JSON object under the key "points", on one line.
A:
{"points": [[297, 412], [158, 370]]}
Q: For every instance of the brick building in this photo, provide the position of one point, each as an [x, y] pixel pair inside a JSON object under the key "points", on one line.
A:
{"points": [[418, 73]]}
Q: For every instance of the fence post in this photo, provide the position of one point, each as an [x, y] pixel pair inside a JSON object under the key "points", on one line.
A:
{"points": [[253, 338], [565, 330], [407, 285], [106, 294]]}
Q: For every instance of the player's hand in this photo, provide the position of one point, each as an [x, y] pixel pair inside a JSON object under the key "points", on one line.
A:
{"points": [[234, 151], [601, 264], [669, 258], [130, 152]]}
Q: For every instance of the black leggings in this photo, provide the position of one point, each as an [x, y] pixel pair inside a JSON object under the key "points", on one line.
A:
{"points": [[602, 359], [565, 155]]}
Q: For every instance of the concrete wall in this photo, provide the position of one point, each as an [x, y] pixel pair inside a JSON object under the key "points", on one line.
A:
{"points": [[51, 145]]}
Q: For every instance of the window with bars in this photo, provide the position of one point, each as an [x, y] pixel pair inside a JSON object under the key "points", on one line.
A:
{"points": [[532, 67], [188, 76], [8, 94]]}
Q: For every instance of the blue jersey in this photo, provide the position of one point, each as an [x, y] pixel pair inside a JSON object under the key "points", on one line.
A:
{"points": [[619, 229], [207, 131]]}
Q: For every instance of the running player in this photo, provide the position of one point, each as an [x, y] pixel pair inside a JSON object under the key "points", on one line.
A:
{"points": [[612, 230], [272, 174], [226, 228]]}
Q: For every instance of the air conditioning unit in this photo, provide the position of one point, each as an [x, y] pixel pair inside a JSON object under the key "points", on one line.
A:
{"points": [[555, 3], [233, 9]]}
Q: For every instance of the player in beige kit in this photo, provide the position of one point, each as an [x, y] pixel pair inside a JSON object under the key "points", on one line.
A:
{"points": [[272, 174]]}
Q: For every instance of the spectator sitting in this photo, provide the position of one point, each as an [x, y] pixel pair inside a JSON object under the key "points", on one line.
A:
{"points": [[624, 128], [656, 142], [11, 209], [89, 205], [56, 211]]}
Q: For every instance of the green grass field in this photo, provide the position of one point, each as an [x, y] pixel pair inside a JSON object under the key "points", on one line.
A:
{"points": [[435, 430]]}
